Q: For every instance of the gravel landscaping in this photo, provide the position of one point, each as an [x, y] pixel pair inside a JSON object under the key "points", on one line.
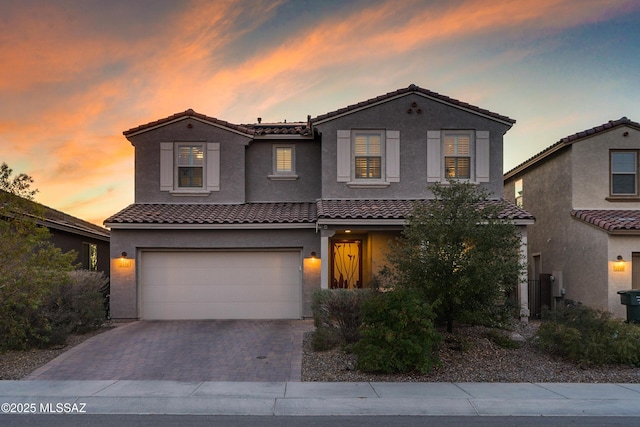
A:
{"points": [[480, 361], [16, 365]]}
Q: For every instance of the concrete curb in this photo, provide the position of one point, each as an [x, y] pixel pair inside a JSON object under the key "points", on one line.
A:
{"points": [[297, 398]]}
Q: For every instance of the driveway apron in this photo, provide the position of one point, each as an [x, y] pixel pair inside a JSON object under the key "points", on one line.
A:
{"points": [[207, 350]]}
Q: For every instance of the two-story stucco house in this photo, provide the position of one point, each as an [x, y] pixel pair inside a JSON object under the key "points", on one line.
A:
{"points": [[583, 191], [247, 221]]}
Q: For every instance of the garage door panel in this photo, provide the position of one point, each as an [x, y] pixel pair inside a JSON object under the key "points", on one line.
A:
{"points": [[197, 311], [220, 285]]}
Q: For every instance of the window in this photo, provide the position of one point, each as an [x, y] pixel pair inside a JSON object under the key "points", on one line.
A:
{"points": [[284, 163], [189, 169], [457, 155], [368, 158], [190, 166], [90, 256], [624, 173], [368, 155], [284, 159], [518, 192]]}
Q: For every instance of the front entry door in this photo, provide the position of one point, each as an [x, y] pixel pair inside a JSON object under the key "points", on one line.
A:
{"points": [[346, 265]]}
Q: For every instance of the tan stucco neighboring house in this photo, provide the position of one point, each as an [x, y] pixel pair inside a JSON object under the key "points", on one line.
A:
{"points": [[584, 192]]}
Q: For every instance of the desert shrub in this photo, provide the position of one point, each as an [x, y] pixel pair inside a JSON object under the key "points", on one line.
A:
{"points": [[78, 304], [337, 312], [398, 334], [325, 338], [588, 336]]}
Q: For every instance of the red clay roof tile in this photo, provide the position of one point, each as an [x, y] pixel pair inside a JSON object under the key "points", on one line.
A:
{"points": [[612, 221]]}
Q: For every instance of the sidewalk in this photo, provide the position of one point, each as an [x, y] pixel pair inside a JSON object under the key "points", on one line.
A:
{"points": [[298, 398]]}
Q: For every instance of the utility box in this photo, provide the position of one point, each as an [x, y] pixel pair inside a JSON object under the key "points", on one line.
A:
{"points": [[557, 285], [631, 299]]}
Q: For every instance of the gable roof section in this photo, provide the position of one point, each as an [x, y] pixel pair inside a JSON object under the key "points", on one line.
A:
{"points": [[57, 220], [186, 115], [408, 90], [568, 140], [612, 221]]}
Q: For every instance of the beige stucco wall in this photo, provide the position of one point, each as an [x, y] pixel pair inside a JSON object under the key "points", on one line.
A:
{"points": [[591, 176], [620, 280]]}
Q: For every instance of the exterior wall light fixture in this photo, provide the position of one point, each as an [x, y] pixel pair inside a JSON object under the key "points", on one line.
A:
{"points": [[123, 261], [619, 264], [313, 255]]}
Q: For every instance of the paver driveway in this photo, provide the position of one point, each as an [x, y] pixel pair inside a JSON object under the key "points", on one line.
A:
{"points": [[207, 350]]}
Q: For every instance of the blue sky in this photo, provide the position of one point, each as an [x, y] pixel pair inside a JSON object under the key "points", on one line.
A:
{"points": [[74, 74]]}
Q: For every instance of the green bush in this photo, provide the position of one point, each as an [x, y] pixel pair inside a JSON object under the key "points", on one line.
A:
{"points": [[325, 338], [398, 334], [338, 312], [588, 336], [78, 305]]}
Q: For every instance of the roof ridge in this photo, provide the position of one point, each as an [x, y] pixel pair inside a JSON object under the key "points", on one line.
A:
{"points": [[413, 88], [573, 138]]}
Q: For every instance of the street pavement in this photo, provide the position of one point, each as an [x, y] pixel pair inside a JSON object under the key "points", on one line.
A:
{"points": [[319, 399]]}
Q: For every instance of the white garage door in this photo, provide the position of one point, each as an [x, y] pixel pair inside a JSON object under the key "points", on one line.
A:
{"points": [[220, 285]]}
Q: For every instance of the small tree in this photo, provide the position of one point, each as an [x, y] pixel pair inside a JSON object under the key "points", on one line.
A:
{"points": [[31, 268], [459, 253]]}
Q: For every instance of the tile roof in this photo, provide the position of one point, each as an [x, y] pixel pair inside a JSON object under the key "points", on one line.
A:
{"points": [[278, 213], [246, 213], [612, 221], [186, 114], [295, 128], [568, 140], [414, 89], [396, 209]]}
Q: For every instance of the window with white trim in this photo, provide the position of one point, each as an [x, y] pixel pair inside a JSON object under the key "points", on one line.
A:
{"points": [[457, 155], [368, 158], [284, 162], [518, 190], [367, 150], [624, 172], [189, 168]]}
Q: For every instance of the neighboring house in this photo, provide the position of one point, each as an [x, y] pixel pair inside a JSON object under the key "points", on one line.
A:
{"points": [[583, 191], [247, 221], [90, 241]]}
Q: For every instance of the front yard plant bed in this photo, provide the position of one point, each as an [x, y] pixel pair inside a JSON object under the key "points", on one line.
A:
{"points": [[470, 355]]}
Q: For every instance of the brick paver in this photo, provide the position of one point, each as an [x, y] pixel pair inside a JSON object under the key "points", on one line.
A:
{"points": [[207, 350]]}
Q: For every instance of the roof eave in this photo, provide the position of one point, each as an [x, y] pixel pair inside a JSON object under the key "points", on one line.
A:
{"points": [[191, 226], [137, 131]]}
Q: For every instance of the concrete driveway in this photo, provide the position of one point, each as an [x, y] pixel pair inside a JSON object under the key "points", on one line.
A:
{"points": [[207, 350]]}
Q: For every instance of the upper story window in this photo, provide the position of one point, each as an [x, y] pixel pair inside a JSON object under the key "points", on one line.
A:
{"points": [[624, 173], [284, 162], [368, 158], [190, 166], [367, 149], [518, 191], [457, 155]]}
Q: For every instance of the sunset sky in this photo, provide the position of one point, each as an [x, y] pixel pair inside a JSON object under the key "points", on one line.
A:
{"points": [[74, 74]]}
